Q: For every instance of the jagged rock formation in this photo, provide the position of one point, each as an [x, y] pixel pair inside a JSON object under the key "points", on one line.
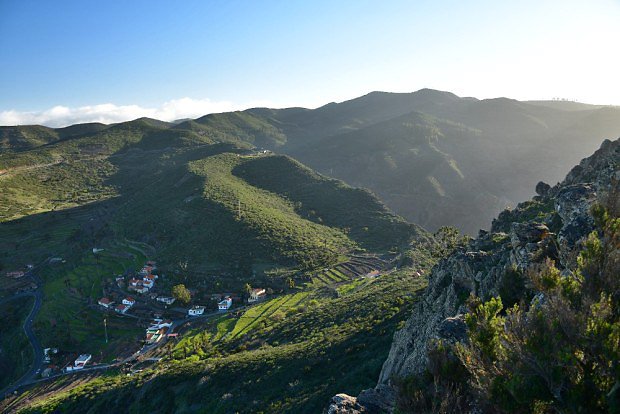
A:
{"points": [[552, 224]]}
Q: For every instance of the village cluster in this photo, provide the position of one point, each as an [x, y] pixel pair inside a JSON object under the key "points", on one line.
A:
{"points": [[143, 284], [132, 295]]}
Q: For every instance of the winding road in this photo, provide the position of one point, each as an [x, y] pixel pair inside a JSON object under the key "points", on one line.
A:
{"points": [[34, 342]]}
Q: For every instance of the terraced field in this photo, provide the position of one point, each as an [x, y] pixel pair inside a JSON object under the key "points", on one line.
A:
{"points": [[346, 278], [256, 315], [342, 273], [228, 328]]}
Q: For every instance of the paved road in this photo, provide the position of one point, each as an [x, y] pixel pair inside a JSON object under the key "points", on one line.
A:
{"points": [[36, 346]]}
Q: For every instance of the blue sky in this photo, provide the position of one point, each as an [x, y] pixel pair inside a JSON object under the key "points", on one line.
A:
{"points": [[68, 61]]}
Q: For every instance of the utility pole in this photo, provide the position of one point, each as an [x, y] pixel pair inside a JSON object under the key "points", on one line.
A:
{"points": [[105, 327]]}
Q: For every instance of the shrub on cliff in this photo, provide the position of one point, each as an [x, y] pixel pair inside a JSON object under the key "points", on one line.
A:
{"points": [[560, 352]]}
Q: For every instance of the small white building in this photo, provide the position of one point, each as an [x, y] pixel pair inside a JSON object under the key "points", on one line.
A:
{"points": [[166, 299], [157, 324], [46, 354], [105, 302], [225, 304], [196, 310], [129, 301], [82, 360], [148, 283], [256, 295]]}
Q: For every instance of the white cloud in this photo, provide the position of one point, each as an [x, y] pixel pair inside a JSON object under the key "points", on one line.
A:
{"points": [[59, 116]]}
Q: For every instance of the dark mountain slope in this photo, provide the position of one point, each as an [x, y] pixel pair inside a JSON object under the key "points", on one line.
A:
{"points": [[408, 162], [304, 127], [500, 147]]}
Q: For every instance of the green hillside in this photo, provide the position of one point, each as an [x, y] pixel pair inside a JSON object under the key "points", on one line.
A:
{"points": [[173, 190], [327, 201], [216, 215], [237, 127]]}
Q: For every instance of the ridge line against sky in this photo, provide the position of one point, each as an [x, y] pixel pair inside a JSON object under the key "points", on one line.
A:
{"points": [[63, 60], [109, 113]]}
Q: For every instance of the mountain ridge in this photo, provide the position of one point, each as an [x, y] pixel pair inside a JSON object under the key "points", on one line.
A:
{"points": [[510, 145]]}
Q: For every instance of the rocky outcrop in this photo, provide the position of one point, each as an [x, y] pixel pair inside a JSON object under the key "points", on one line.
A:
{"points": [[552, 225], [345, 404]]}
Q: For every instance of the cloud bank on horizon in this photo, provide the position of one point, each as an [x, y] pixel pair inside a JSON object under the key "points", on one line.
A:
{"points": [[108, 113]]}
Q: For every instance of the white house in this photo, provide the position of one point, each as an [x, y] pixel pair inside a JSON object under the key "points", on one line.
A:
{"points": [[46, 354], [196, 310], [105, 302], [129, 301], [156, 324], [256, 295], [225, 304], [150, 277], [166, 299], [148, 283], [82, 360]]}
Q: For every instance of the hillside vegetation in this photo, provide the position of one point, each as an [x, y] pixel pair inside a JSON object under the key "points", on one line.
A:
{"points": [[305, 347], [176, 190], [462, 159], [215, 214]]}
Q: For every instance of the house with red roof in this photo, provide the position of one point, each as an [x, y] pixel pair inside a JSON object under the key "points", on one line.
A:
{"points": [[105, 302], [121, 308]]}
